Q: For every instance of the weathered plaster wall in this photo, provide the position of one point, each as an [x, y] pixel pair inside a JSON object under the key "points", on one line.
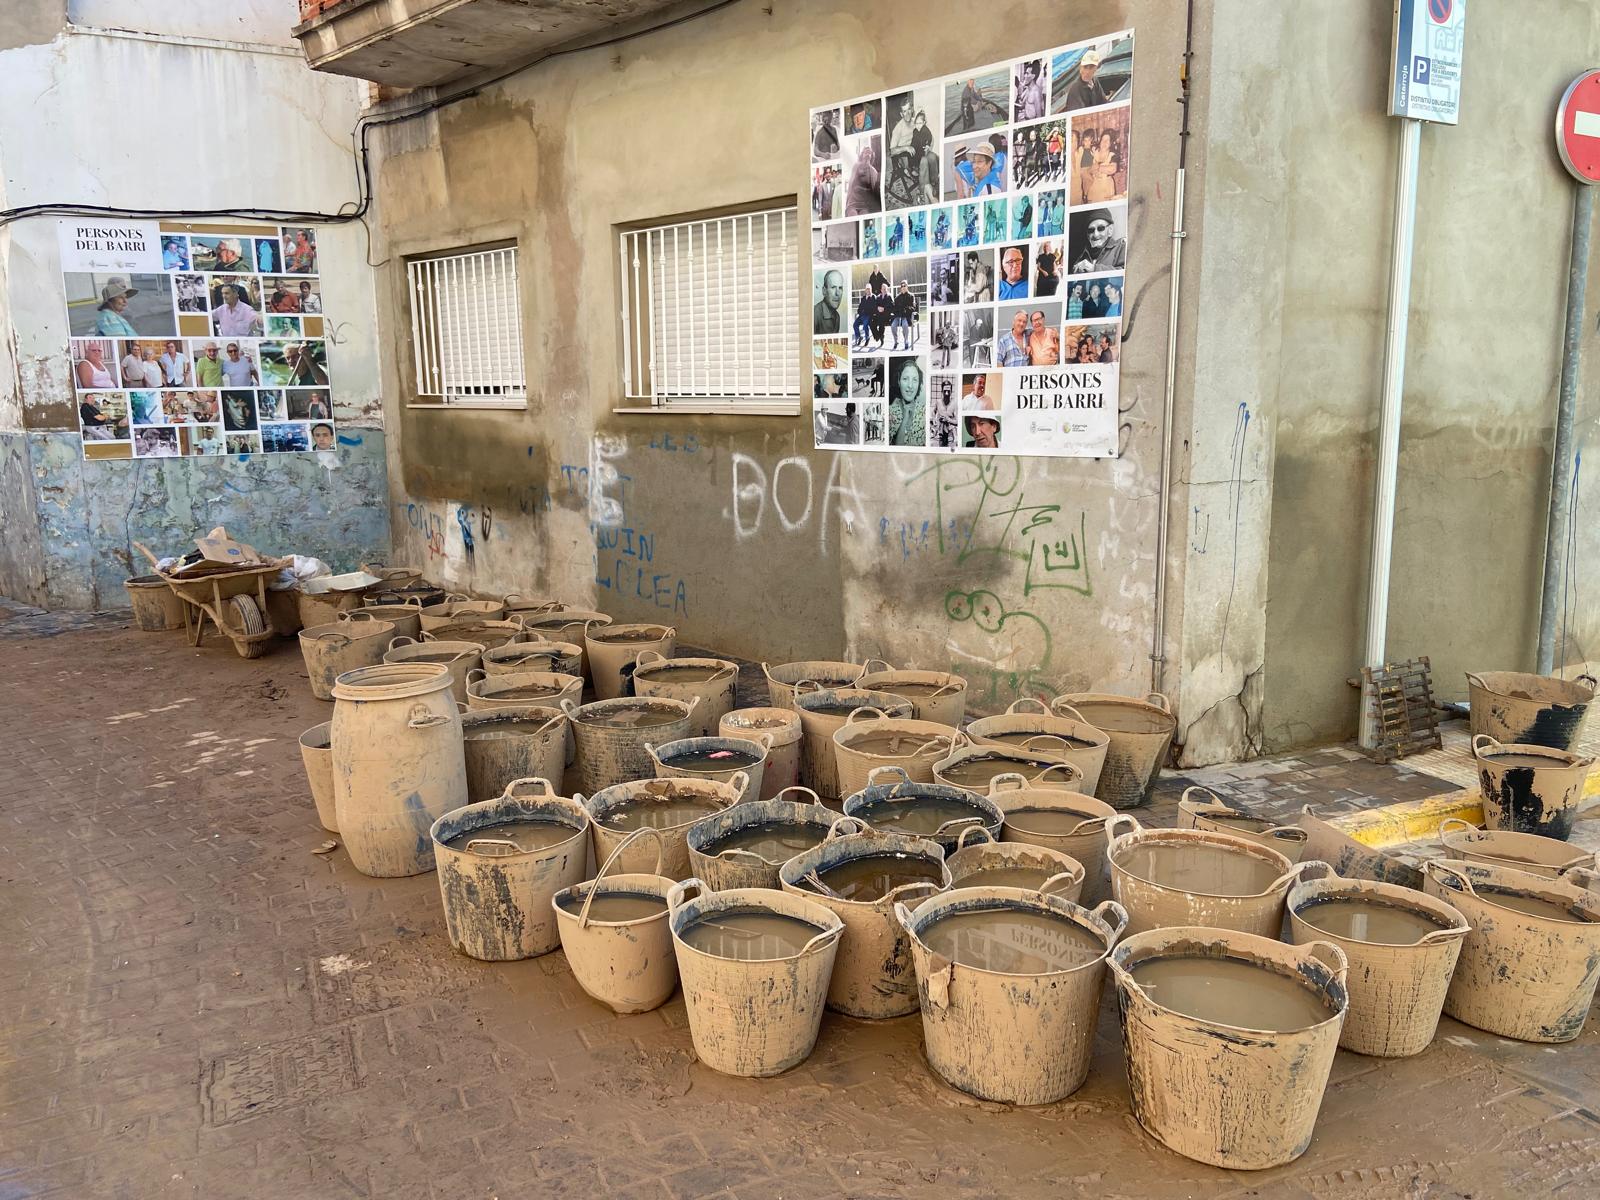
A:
{"points": [[157, 121], [1024, 574], [1493, 216]]}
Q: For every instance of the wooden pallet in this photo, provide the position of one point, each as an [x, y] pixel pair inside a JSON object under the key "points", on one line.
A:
{"points": [[1405, 718]]}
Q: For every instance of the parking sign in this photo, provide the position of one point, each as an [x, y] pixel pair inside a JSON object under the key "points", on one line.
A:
{"points": [[1425, 74]]}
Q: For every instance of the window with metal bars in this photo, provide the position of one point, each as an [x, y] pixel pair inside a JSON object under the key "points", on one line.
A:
{"points": [[466, 327], [710, 311]]}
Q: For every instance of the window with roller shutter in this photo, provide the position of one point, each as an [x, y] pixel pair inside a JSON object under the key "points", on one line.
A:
{"points": [[466, 327]]}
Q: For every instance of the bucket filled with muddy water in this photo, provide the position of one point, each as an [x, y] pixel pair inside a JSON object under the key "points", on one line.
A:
{"points": [[613, 735], [459, 658], [500, 862], [339, 646], [156, 607], [1068, 822], [822, 713], [406, 617], [1229, 1039], [976, 767], [502, 745], [754, 965], [1140, 733], [717, 758], [936, 696], [860, 877], [1529, 788], [669, 806], [862, 746], [782, 727], [1513, 706], [1401, 946], [615, 935], [1530, 852], [565, 625], [1031, 725], [981, 862], [711, 680], [784, 679], [613, 651], [547, 688], [893, 802], [1205, 811], [1167, 877], [743, 846], [516, 658], [1009, 982], [1529, 966]]}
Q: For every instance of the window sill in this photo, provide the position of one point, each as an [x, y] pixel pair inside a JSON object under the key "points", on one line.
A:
{"points": [[786, 408], [513, 405]]}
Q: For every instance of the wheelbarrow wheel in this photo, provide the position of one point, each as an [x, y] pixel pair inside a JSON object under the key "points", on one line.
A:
{"points": [[246, 617]]}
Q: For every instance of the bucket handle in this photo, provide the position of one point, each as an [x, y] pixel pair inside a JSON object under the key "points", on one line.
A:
{"points": [[1113, 824], [1063, 877], [805, 687], [1015, 781], [872, 775], [836, 932], [337, 640], [357, 614], [396, 643], [974, 822], [1329, 954], [477, 675], [649, 658], [568, 707], [539, 732], [916, 886], [1012, 709], [833, 829], [678, 893], [1449, 823], [879, 714], [739, 781], [1214, 800], [1159, 700], [921, 748], [1114, 915], [1073, 773], [1436, 868], [800, 787], [1439, 936], [422, 718], [517, 787], [1490, 745], [1060, 707], [946, 689], [961, 842], [583, 917], [1301, 873], [867, 665], [1476, 680], [506, 846], [1047, 738]]}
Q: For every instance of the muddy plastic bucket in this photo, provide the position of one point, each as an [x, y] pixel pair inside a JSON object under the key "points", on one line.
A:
{"points": [[316, 751], [487, 634], [752, 1016], [397, 764], [981, 862], [323, 608], [1524, 975], [607, 752], [393, 576], [894, 802], [977, 767], [1513, 706], [669, 806], [1219, 1088], [746, 757], [1528, 852], [456, 607], [1009, 983], [713, 680], [1040, 729], [546, 688], [1199, 878], [460, 658], [1402, 948], [873, 977], [564, 625], [861, 747], [333, 649], [497, 887], [1071, 823], [405, 617], [1529, 788], [824, 673], [782, 725], [720, 846], [823, 712], [613, 651], [627, 964], [502, 745], [1211, 813], [517, 658], [1140, 733], [156, 607], [936, 696], [523, 604]]}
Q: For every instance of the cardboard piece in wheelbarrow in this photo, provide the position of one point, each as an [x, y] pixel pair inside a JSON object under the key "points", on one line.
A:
{"points": [[218, 549]]}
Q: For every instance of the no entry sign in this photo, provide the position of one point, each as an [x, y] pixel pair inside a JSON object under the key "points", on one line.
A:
{"points": [[1578, 127]]}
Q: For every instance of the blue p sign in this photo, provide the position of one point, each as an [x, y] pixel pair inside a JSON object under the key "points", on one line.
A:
{"points": [[1419, 70]]}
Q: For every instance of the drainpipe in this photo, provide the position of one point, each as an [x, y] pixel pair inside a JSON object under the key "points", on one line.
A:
{"points": [[1556, 532], [1158, 654]]}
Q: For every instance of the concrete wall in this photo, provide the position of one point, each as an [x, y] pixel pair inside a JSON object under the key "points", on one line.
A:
{"points": [[732, 527], [131, 111]]}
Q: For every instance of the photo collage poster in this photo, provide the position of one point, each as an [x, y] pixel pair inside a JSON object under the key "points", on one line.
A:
{"points": [[196, 340], [969, 237]]}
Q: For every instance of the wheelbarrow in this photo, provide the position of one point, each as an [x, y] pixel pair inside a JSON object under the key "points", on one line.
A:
{"points": [[233, 598]]}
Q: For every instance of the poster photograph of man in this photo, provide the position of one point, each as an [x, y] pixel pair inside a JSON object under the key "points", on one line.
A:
{"points": [[942, 223], [1086, 344], [827, 301], [835, 385], [1089, 76], [977, 102], [837, 424], [826, 129], [913, 173], [943, 416], [977, 276], [874, 425], [1039, 154], [945, 337], [834, 243], [976, 167], [828, 354], [827, 192], [866, 378], [1098, 240], [239, 411], [994, 220], [945, 274], [977, 337], [863, 181], [1046, 267], [864, 116], [981, 392], [1027, 90], [982, 431]]}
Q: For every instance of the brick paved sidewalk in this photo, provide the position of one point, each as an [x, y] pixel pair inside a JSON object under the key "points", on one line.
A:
{"points": [[193, 1004]]}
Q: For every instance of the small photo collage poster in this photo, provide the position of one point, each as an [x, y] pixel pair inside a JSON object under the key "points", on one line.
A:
{"points": [[969, 237], [196, 340]]}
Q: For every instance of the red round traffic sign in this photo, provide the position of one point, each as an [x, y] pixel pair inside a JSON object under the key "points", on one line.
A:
{"points": [[1578, 127]]}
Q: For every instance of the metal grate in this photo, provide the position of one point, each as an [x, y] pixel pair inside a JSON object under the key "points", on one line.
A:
{"points": [[466, 326], [1404, 718], [710, 310]]}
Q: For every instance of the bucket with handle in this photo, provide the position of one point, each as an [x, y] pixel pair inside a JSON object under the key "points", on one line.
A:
{"points": [[976, 767], [515, 658], [514, 690], [1140, 733], [339, 646], [1069, 822], [316, 751], [466, 628], [616, 936], [716, 758], [564, 625], [1200, 808], [501, 745], [754, 965], [457, 607], [743, 846], [822, 713], [612, 736], [1531, 852], [935, 695], [1009, 984], [860, 876], [982, 862], [613, 651], [782, 726], [406, 616], [861, 746], [669, 806], [459, 658], [825, 673], [156, 607], [1029, 724], [713, 680], [1513, 706], [1528, 788], [894, 802]]}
